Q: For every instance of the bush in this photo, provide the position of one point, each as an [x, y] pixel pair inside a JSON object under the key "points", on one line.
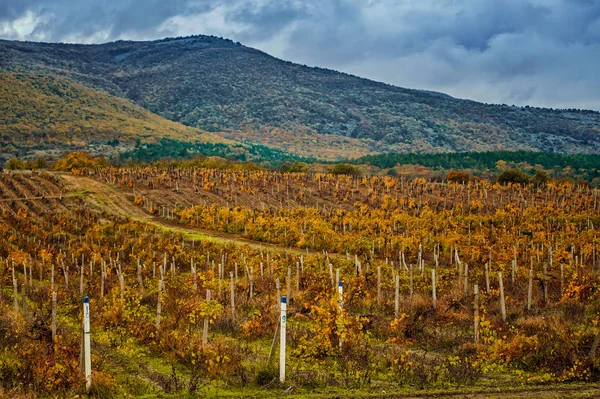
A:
{"points": [[77, 161], [345, 169], [266, 375], [513, 176], [457, 176], [540, 176], [296, 167], [15, 164]]}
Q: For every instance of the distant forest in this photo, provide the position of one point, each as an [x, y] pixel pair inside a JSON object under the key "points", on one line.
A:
{"points": [[585, 166]]}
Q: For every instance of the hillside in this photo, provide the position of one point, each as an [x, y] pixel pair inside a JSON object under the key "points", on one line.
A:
{"points": [[218, 85], [42, 111]]}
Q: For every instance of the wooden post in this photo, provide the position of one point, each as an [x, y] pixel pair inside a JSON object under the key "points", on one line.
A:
{"points": [[139, 274], [545, 283], [121, 283], [232, 295], [251, 282], [378, 284], [66, 273], [476, 313], [54, 303], [410, 278], [81, 281], [333, 283], [220, 276], [278, 296], [487, 278], [466, 284], [15, 289], [159, 302], [530, 289], [194, 275], [289, 284], [297, 277], [433, 293], [262, 273], [205, 330], [513, 271], [562, 279], [102, 278], [502, 302], [397, 297]]}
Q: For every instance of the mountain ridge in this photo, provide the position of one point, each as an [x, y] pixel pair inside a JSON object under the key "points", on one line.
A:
{"points": [[219, 85]]}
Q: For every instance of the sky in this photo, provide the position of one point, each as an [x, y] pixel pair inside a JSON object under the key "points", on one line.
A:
{"points": [[522, 52]]}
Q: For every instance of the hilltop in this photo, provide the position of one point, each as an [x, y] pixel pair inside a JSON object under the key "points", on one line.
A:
{"points": [[42, 112], [242, 93]]}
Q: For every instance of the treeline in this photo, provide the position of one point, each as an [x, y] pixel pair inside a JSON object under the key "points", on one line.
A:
{"points": [[483, 161], [174, 149]]}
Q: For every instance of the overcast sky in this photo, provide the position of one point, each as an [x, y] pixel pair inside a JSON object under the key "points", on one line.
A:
{"points": [[537, 52]]}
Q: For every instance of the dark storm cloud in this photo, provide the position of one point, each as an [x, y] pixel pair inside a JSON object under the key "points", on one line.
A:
{"points": [[542, 52]]}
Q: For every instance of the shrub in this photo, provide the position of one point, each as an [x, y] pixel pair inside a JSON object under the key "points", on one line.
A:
{"points": [[345, 169], [457, 176], [77, 161], [513, 176], [15, 164]]}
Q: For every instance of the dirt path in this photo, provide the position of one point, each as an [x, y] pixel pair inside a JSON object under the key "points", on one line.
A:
{"points": [[112, 200]]}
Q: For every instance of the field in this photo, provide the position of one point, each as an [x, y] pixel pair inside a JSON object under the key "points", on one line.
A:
{"points": [[453, 289]]}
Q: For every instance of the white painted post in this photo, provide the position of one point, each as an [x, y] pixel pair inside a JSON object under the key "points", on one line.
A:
{"points": [[340, 294], [282, 331], [86, 343]]}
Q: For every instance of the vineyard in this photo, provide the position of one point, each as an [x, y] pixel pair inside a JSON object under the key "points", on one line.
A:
{"points": [[455, 286]]}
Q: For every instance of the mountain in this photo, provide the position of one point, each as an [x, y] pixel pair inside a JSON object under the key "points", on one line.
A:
{"points": [[42, 112], [241, 93]]}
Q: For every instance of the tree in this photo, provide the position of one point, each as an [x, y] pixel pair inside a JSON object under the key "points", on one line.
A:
{"points": [[513, 176], [540, 176], [457, 176], [345, 169], [15, 164]]}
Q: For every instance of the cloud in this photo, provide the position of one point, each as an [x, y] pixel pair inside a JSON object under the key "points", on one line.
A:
{"points": [[537, 52]]}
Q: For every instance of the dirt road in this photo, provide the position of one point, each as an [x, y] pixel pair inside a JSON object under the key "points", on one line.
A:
{"points": [[112, 200]]}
